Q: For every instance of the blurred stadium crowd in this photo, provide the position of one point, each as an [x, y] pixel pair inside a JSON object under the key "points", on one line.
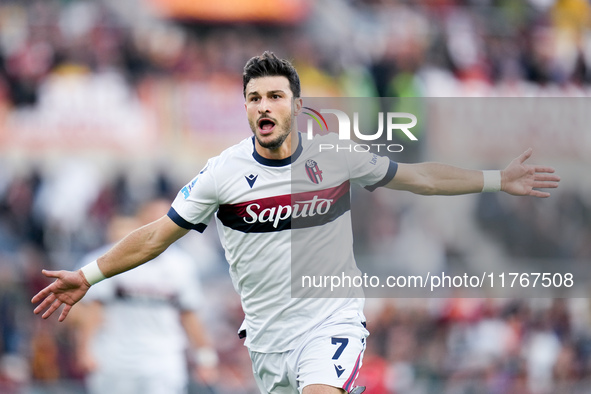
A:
{"points": [[174, 73]]}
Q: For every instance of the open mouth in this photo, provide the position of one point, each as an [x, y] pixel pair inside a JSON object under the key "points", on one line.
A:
{"points": [[266, 125]]}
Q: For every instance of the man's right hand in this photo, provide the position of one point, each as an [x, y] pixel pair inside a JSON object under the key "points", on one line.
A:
{"points": [[68, 288]]}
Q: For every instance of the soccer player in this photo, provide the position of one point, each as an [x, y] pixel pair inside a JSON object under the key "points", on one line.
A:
{"points": [[264, 190], [133, 332]]}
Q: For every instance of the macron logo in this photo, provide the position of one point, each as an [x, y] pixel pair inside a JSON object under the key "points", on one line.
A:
{"points": [[339, 370], [251, 179]]}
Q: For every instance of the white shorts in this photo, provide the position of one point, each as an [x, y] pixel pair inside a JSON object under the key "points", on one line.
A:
{"points": [[331, 355]]}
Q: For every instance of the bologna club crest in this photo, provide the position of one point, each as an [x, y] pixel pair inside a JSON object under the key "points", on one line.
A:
{"points": [[313, 171]]}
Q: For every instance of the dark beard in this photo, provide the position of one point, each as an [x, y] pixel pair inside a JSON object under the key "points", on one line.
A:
{"points": [[277, 142]]}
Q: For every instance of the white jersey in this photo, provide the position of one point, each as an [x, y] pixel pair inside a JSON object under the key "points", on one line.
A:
{"points": [[141, 332], [273, 212]]}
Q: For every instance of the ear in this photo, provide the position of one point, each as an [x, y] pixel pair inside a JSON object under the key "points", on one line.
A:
{"points": [[297, 106]]}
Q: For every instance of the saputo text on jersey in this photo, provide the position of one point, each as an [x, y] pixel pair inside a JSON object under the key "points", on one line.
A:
{"points": [[313, 207]]}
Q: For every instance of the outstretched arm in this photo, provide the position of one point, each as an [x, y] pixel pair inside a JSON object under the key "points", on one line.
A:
{"points": [[517, 178], [138, 247]]}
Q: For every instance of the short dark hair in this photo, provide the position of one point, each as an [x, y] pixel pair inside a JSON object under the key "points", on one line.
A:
{"points": [[269, 65]]}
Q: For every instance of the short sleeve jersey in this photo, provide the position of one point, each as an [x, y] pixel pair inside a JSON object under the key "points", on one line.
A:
{"points": [[270, 213]]}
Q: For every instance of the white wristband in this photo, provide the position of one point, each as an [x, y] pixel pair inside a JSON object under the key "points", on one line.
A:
{"points": [[492, 181], [93, 273], [206, 357]]}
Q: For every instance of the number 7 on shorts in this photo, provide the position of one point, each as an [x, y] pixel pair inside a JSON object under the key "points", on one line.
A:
{"points": [[342, 342]]}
